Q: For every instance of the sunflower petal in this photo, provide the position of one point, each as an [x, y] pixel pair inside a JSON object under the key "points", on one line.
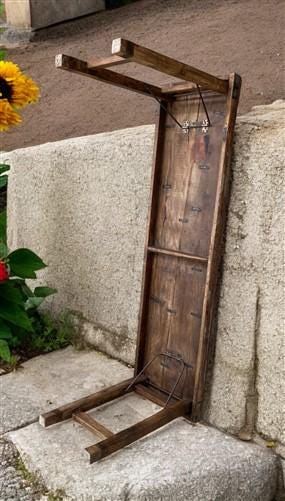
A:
{"points": [[8, 116], [24, 91]]}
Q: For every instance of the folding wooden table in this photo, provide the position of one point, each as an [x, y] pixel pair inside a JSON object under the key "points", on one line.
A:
{"points": [[187, 214]]}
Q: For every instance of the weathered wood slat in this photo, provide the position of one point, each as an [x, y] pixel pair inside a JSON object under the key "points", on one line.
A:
{"points": [[153, 394], [168, 65], [217, 242], [92, 425], [137, 431], [185, 192], [168, 252], [86, 403], [105, 62], [80, 67]]}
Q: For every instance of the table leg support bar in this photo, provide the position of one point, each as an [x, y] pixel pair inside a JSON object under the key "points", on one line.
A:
{"points": [[137, 431]]}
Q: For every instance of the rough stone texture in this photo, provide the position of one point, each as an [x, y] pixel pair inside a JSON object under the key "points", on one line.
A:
{"points": [[81, 204], [54, 379], [249, 362], [12, 486], [85, 213], [179, 462]]}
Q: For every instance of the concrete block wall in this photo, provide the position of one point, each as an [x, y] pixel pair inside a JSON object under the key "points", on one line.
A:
{"points": [[82, 205]]}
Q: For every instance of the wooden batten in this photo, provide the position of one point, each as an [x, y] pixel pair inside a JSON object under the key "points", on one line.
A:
{"points": [[147, 57], [92, 425], [68, 63], [137, 431]]}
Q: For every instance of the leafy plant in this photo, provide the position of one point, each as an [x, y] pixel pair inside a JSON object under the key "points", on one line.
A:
{"points": [[18, 303]]}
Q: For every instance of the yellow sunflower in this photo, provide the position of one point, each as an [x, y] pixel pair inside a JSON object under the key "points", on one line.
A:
{"points": [[8, 116], [16, 91]]}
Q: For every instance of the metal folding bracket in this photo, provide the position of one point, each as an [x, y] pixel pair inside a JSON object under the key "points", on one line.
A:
{"points": [[170, 355]]}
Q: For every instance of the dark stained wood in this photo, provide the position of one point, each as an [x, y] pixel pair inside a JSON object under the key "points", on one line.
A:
{"points": [[168, 252], [180, 88], [152, 207], [92, 425], [153, 394], [165, 64], [137, 431], [187, 213], [86, 403], [74, 65], [217, 242], [185, 194]]}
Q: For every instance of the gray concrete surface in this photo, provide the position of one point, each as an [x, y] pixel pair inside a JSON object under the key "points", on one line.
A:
{"points": [[180, 462], [52, 380], [248, 385], [83, 209]]}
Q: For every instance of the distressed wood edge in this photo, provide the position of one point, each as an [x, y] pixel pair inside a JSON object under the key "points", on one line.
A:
{"points": [[139, 430], [165, 64], [88, 402], [216, 245], [147, 262], [80, 67]]}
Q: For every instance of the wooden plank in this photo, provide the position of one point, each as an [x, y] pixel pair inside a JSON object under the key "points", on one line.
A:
{"points": [[216, 245], [188, 188], [184, 197], [174, 321], [168, 252], [147, 264], [179, 88], [80, 67], [86, 403], [153, 394], [137, 431], [92, 425], [106, 62], [168, 65]]}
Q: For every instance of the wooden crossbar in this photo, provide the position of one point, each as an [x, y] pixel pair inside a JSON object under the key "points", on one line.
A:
{"points": [[80, 67], [137, 431], [106, 62], [92, 425], [86, 403], [147, 57]]}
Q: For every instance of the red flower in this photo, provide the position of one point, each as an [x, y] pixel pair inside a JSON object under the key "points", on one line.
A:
{"points": [[4, 275]]}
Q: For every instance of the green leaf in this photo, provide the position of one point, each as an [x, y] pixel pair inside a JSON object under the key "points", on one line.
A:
{"points": [[9, 292], [44, 291], [5, 353], [23, 263], [15, 314], [3, 250], [3, 181], [3, 225], [33, 302], [4, 168], [5, 331]]}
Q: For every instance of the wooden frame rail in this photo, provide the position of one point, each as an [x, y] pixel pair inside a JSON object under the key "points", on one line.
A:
{"points": [[113, 442], [125, 51], [147, 57]]}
